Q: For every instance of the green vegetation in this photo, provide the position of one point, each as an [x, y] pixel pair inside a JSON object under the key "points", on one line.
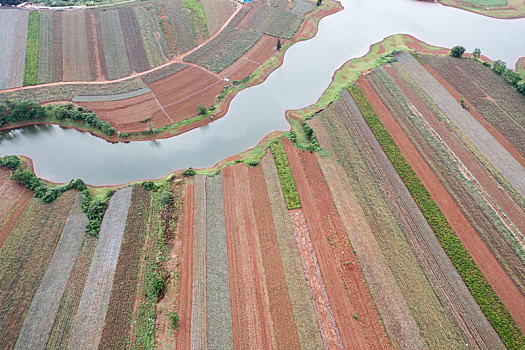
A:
{"points": [[94, 209], [481, 290], [197, 18], [189, 172], [174, 319], [457, 51], [31, 65], [285, 175], [12, 112]]}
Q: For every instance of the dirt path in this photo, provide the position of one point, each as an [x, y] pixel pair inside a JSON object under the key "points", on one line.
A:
{"points": [[251, 317], [492, 270]]}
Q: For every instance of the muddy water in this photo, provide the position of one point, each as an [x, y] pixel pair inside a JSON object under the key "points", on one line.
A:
{"points": [[62, 154]]}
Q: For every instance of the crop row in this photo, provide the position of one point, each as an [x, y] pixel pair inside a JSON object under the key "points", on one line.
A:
{"points": [[138, 60], [149, 27], [75, 52], [24, 259], [41, 315], [31, 65], [13, 35], [219, 322], [285, 175], [483, 293], [273, 21], [217, 13], [163, 72], [119, 315], [45, 49], [460, 183], [197, 18], [114, 48], [303, 312]]}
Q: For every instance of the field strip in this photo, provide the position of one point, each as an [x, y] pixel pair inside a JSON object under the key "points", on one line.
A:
{"points": [[480, 137], [198, 309], [195, 93], [323, 311], [46, 301], [18, 58], [496, 276], [284, 326], [113, 97], [303, 311], [450, 285], [251, 318], [7, 40], [91, 314], [218, 305], [185, 300]]}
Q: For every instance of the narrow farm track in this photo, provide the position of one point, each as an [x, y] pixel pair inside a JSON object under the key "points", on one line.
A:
{"points": [[303, 310], [490, 267], [198, 309], [252, 324], [447, 281], [46, 301], [185, 310], [284, 326], [91, 314]]}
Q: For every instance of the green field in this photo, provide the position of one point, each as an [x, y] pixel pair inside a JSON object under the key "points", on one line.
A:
{"points": [[31, 65]]}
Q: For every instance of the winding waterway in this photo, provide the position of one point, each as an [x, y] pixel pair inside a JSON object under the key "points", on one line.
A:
{"points": [[63, 154]]}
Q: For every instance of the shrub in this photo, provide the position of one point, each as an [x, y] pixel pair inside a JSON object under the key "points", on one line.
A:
{"points": [[457, 51], [174, 319], [149, 186], [499, 67], [189, 172], [10, 162], [202, 109], [26, 178]]}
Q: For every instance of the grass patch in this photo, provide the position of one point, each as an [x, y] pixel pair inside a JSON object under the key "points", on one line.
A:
{"points": [[285, 175], [31, 65], [197, 18], [489, 302]]}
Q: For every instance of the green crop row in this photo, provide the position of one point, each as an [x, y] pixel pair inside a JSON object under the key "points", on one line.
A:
{"points": [[197, 18], [285, 175], [489, 302], [31, 65]]}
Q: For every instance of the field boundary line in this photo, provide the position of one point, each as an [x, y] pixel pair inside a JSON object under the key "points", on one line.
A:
{"points": [[161, 108], [191, 95]]}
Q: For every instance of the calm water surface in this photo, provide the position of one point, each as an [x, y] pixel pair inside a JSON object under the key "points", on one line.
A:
{"points": [[62, 154]]}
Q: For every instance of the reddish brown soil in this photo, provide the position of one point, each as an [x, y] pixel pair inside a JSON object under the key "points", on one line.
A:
{"points": [[351, 331], [182, 92], [128, 115], [491, 129], [8, 222], [415, 44], [491, 269], [252, 59], [489, 184], [9, 192], [183, 334], [347, 263], [250, 309], [56, 42], [285, 330]]}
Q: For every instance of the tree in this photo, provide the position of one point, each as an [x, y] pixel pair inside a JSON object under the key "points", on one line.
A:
{"points": [[319, 2], [457, 51], [499, 67], [202, 109], [476, 53], [278, 44]]}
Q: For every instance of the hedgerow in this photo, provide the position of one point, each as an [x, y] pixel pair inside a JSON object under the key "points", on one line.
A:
{"points": [[31, 63], [285, 175], [11, 112], [489, 302]]}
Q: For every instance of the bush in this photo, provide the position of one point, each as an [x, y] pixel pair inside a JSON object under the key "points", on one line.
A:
{"points": [[189, 172], [202, 109], [174, 319], [149, 186], [26, 179], [457, 51], [10, 162], [499, 67]]}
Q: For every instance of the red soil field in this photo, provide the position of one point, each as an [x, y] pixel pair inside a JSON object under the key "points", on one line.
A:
{"points": [[280, 307], [415, 44], [250, 309], [182, 92], [252, 59], [127, 115], [13, 201], [493, 272], [491, 129], [184, 300], [489, 184], [354, 334]]}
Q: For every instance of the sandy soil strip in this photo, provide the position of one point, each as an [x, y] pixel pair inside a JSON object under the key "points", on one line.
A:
{"points": [[491, 269], [480, 137], [46, 301], [198, 309], [252, 325], [303, 311], [219, 318], [284, 327], [89, 320], [185, 300]]}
